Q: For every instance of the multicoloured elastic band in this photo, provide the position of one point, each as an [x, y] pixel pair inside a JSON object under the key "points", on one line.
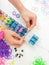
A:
{"points": [[13, 24]]}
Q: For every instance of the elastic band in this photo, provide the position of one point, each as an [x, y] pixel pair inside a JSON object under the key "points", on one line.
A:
{"points": [[2, 32], [1, 35]]}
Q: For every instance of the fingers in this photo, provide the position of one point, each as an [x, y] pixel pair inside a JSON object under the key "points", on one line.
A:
{"points": [[13, 39], [17, 46], [16, 43], [16, 40], [27, 22], [17, 36], [33, 22]]}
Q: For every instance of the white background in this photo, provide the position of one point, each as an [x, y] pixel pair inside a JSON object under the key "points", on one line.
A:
{"points": [[41, 30]]}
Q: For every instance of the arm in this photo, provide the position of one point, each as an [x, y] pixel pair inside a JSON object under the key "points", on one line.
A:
{"points": [[17, 4], [29, 17]]}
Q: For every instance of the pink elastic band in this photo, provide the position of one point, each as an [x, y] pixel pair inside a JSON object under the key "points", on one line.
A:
{"points": [[1, 35]]}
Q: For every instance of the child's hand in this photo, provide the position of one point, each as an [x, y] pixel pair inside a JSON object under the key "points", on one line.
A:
{"points": [[29, 18], [11, 37]]}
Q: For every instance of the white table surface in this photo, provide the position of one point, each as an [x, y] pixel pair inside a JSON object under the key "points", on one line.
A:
{"points": [[41, 30]]}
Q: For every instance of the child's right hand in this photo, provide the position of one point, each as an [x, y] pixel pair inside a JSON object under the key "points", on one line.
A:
{"points": [[10, 37]]}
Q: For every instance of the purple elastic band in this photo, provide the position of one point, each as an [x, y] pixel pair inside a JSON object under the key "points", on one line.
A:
{"points": [[5, 50]]}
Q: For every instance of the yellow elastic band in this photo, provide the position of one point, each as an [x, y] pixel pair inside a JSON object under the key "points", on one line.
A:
{"points": [[2, 28], [2, 17], [6, 19]]}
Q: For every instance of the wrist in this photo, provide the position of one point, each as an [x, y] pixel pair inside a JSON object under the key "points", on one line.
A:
{"points": [[22, 9]]}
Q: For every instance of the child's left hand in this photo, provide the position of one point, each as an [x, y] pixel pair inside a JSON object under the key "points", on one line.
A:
{"points": [[13, 38], [29, 18]]}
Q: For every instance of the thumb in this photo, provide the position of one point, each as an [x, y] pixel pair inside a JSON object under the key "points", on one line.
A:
{"points": [[27, 23]]}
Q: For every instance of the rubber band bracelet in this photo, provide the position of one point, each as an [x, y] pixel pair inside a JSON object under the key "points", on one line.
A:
{"points": [[1, 32]]}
